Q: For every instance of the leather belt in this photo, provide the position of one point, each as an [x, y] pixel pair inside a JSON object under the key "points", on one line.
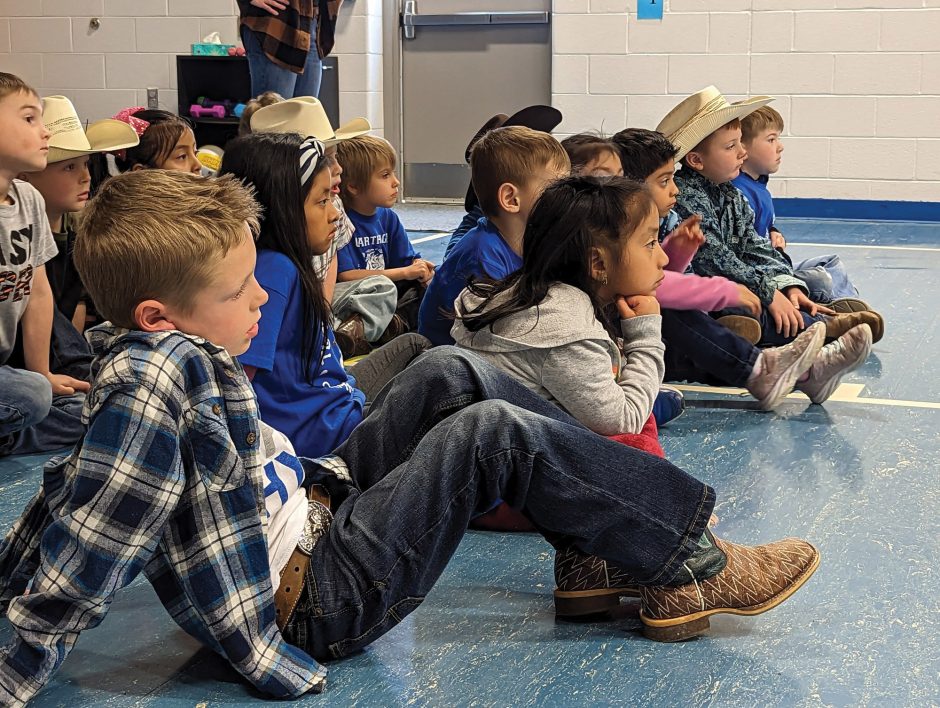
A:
{"points": [[294, 574]]}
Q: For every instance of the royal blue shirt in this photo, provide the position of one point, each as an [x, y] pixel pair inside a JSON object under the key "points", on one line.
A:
{"points": [[482, 252], [379, 242], [760, 199], [316, 414]]}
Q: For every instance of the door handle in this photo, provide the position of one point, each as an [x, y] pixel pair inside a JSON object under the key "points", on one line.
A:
{"points": [[411, 19]]}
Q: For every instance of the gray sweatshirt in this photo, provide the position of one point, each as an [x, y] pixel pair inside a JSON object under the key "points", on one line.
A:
{"points": [[560, 351]]}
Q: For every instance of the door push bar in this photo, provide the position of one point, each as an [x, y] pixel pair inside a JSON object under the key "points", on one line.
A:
{"points": [[411, 19]]}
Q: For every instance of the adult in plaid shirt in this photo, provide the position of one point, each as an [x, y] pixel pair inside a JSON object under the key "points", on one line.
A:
{"points": [[168, 479]]}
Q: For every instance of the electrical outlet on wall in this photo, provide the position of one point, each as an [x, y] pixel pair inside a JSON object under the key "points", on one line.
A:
{"points": [[153, 98]]}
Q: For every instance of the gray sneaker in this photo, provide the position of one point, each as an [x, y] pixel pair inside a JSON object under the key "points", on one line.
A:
{"points": [[782, 366], [834, 361]]}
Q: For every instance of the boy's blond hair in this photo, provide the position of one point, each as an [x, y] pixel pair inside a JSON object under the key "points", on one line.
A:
{"points": [[512, 154], [10, 84], [360, 157], [158, 234], [764, 118]]}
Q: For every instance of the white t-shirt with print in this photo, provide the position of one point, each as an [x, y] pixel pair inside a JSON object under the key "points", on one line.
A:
{"points": [[26, 242]]}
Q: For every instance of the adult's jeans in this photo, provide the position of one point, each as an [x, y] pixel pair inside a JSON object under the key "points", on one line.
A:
{"points": [[268, 76], [31, 420], [441, 445], [700, 349]]}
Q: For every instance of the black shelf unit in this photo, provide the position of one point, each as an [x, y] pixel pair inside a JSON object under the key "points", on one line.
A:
{"points": [[227, 78]]}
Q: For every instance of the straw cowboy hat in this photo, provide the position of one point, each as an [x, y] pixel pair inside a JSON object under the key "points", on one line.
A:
{"points": [[701, 114], [541, 118], [68, 140], [305, 115]]}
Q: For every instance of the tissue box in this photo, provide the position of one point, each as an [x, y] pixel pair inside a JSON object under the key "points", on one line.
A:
{"points": [[204, 49]]}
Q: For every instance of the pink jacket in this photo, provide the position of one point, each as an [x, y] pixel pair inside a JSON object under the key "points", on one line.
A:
{"points": [[685, 291]]}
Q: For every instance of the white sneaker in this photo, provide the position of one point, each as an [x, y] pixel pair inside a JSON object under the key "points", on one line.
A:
{"points": [[834, 361]]}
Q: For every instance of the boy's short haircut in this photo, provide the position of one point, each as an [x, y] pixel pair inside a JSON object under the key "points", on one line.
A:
{"points": [[584, 148], [512, 155], [158, 234], [736, 123], [643, 152], [360, 158], [764, 118], [10, 84], [268, 98]]}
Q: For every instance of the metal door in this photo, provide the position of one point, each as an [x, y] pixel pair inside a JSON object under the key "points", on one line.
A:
{"points": [[454, 64]]}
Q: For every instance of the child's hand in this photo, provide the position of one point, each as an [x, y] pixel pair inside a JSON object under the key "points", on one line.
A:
{"points": [[777, 240], [689, 233], [801, 302], [786, 317], [748, 300], [65, 385], [420, 270], [636, 306]]}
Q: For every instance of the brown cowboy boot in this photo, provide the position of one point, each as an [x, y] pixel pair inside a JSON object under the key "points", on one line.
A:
{"points": [[396, 327], [588, 585], [837, 325], [754, 579], [351, 337]]}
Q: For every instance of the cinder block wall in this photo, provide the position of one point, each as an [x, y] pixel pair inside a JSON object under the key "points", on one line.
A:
{"points": [[50, 44], [857, 81]]}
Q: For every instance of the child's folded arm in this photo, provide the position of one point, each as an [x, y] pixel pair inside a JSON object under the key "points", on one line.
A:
{"points": [[685, 291], [580, 377], [124, 487]]}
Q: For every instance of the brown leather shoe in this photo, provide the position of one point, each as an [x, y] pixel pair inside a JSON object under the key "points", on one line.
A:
{"points": [[396, 328], [754, 580], [351, 337], [588, 585], [747, 328], [837, 325]]}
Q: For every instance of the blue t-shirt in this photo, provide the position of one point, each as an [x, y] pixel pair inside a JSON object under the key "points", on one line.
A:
{"points": [[760, 199], [379, 242], [481, 253], [315, 415]]}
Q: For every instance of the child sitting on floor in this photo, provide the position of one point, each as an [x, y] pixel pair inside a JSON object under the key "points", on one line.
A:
{"points": [[706, 131], [167, 142], [40, 409], [380, 244], [825, 276], [170, 478], [297, 370]]}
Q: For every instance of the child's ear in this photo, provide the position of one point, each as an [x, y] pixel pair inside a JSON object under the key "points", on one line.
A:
{"points": [[508, 198], [23, 176], [694, 160], [351, 189], [153, 316], [137, 166], [598, 267]]}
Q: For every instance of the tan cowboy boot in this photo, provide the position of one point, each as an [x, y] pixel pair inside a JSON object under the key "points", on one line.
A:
{"points": [[754, 579], [588, 585]]}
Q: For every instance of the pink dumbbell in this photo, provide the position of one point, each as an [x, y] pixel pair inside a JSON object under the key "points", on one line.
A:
{"points": [[197, 111]]}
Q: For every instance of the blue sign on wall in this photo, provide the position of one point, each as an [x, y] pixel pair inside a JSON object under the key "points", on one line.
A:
{"points": [[649, 9]]}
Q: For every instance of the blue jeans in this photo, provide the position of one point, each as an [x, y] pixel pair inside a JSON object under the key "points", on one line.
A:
{"points": [[268, 76], [826, 278], [31, 420], [699, 349], [441, 445]]}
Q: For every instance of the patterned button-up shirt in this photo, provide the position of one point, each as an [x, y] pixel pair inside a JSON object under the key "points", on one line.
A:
{"points": [[732, 247], [167, 480]]}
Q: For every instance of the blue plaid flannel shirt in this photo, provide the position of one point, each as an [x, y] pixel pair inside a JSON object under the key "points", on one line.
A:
{"points": [[732, 247], [167, 480]]}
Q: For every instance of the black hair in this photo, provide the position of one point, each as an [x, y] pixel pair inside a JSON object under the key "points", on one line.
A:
{"points": [[570, 217], [270, 162], [642, 152]]}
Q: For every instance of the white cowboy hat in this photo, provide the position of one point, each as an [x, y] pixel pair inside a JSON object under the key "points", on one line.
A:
{"points": [[701, 114], [68, 140], [305, 115]]}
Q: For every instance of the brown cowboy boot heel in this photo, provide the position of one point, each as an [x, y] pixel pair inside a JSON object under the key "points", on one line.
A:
{"points": [[754, 580], [587, 585]]}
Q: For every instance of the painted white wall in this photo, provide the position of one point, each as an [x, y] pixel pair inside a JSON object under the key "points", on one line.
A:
{"points": [[857, 81], [858, 85], [50, 45]]}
